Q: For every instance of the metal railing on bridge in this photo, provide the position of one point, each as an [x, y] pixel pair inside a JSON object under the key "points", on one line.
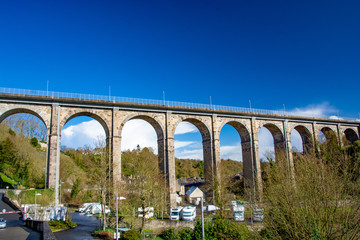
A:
{"points": [[81, 96]]}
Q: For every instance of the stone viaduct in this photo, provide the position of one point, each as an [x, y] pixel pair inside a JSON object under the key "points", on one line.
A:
{"points": [[55, 112]]}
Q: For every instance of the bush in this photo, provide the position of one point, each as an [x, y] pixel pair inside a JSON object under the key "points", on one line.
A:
{"points": [[170, 234], [34, 142], [323, 203], [61, 225], [217, 229], [185, 234], [221, 229], [103, 234], [132, 235]]}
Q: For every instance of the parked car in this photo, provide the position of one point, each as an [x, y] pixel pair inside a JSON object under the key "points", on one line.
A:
{"points": [[2, 223]]}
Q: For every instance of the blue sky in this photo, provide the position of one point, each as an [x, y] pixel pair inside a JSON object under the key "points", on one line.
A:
{"points": [[301, 54]]}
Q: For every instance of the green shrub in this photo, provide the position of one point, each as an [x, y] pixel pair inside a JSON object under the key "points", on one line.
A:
{"points": [[221, 229], [132, 235], [34, 142], [170, 234], [185, 234], [57, 225]]}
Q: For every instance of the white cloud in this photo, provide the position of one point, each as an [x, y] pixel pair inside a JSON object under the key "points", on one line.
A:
{"points": [[322, 110], [266, 143], [181, 144], [135, 132], [296, 141], [336, 117], [85, 133], [231, 152], [138, 132], [185, 127], [190, 154]]}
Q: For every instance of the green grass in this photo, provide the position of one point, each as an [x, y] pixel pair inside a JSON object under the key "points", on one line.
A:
{"points": [[61, 225], [28, 197]]}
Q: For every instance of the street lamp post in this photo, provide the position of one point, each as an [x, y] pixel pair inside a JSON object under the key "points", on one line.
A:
{"points": [[36, 194], [117, 213], [61, 182], [202, 219]]}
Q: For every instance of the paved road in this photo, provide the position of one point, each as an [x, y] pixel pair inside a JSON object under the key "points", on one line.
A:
{"points": [[86, 225], [15, 229]]}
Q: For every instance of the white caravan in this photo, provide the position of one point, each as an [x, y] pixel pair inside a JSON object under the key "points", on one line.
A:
{"points": [[96, 208], [149, 212], [188, 213], [175, 213], [84, 206], [238, 213]]}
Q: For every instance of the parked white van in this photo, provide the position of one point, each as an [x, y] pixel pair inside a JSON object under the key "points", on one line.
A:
{"points": [[96, 208], [149, 212], [83, 207], [175, 213], [188, 213]]}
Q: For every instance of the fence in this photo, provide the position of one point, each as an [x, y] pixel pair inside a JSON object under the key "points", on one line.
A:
{"points": [[115, 99]]}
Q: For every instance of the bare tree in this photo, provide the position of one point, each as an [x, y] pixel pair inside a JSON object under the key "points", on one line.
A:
{"points": [[28, 125], [323, 204], [99, 175], [146, 187]]}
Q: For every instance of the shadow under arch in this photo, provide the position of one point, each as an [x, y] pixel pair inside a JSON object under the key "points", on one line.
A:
{"points": [[351, 135], [329, 134], [306, 138], [279, 140]]}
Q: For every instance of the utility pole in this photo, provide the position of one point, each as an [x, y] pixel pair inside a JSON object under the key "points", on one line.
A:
{"points": [[202, 219]]}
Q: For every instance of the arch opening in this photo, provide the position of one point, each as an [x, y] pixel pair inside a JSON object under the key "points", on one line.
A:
{"points": [[84, 158], [271, 149], [193, 163], [236, 169], [23, 143], [301, 140], [142, 169], [326, 135], [350, 136]]}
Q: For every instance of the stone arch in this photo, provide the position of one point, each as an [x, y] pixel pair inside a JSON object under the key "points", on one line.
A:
{"points": [[351, 135], [240, 128], [279, 140], [200, 125], [16, 110], [103, 122], [306, 138], [245, 137], [155, 123], [209, 170], [328, 133]]}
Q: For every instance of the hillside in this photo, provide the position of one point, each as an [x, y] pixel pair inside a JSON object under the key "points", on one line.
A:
{"points": [[23, 161]]}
